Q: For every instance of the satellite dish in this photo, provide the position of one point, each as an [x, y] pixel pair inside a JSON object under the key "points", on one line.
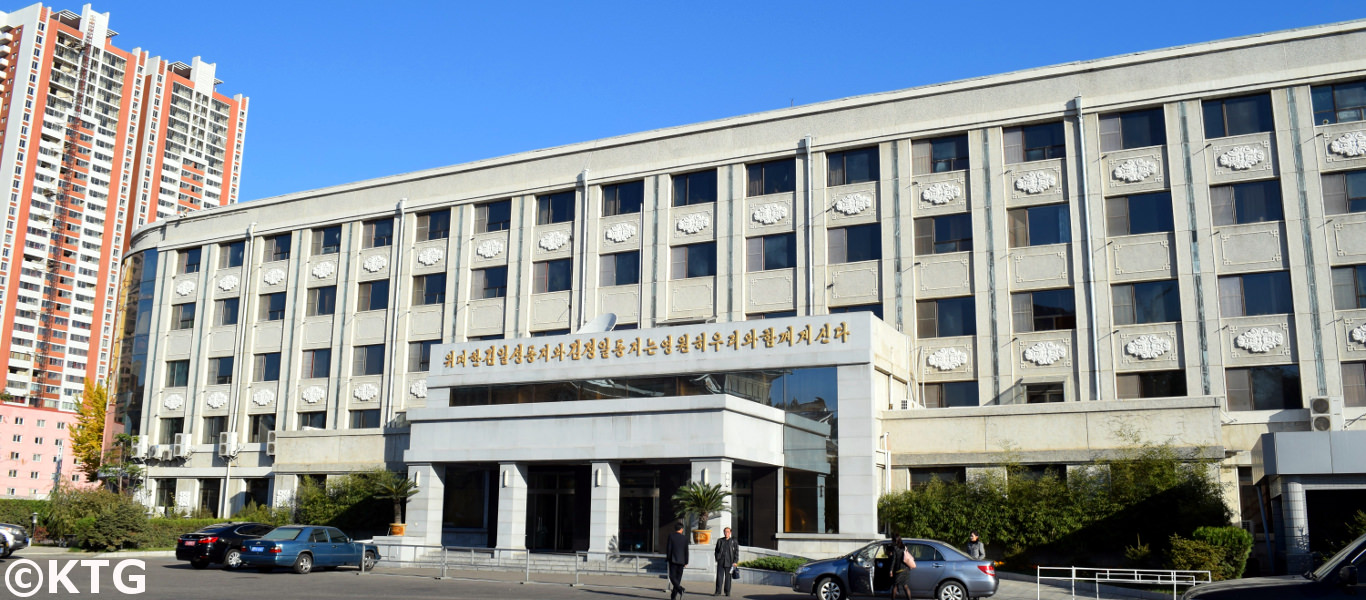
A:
{"points": [[600, 324]]}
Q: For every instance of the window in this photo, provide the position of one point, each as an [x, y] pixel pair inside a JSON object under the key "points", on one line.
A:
{"points": [[212, 427], [225, 311], [1354, 384], [1035, 142], [322, 300], [327, 240], [1040, 225], [429, 289], [171, 427], [950, 394], [1240, 203], [946, 317], [1147, 302], [365, 419], [277, 247], [182, 316], [855, 244], [490, 283], [1344, 192], [188, 261], [368, 360], [317, 364], [266, 367], [420, 355], [1045, 310], [778, 251], [493, 216], [1255, 294], [1134, 129], [435, 225], [313, 420], [851, 167], [378, 234], [772, 177], [694, 188], [777, 314], [230, 254], [1349, 287], [177, 373], [876, 309], [1155, 384], [1237, 116], [552, 275], [694, 260], [1043, 393], [273, 306], [622, 198], [1339, 103], [374, 295], [555, 208], [1140, 213], [550, 333], [261, 426], [940, 155], [943, 234], [622, 268], [1263, 388], [220, 370]]}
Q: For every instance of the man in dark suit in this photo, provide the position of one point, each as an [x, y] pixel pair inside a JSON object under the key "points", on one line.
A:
{"points": [[727, 558], [676, 554]]}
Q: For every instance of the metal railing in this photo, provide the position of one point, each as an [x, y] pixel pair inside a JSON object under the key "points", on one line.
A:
{"points": [[1096, 577], [508, 560]]}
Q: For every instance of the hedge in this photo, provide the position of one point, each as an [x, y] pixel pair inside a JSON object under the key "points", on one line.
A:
{"points": [[775, 563], [162, 532], [18, 512]]}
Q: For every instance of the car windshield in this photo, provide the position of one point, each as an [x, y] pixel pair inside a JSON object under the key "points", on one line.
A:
{"points": [[1333, 563], [283, 533]]}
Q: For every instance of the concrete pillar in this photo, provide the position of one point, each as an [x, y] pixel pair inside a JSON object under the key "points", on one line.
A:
{"points": [[425, 509], [1296, 534], [604, 520], [714, 471], [512, 499]]}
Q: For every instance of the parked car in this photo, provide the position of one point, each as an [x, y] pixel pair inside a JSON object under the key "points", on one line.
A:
{"points": [[303, 547], [221, 543], [942, 572], [1336, 578], [13, 538]]}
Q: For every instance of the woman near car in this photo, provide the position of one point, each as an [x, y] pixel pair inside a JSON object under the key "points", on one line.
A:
{"points": [[902, 563]]}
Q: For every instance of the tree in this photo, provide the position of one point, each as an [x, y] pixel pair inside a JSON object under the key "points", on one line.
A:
{"points": [[87, 437], [701, 500], [398, 489], [117, 469]]}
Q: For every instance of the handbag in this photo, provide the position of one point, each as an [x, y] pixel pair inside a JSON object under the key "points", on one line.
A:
{"points": [[735, 572]]}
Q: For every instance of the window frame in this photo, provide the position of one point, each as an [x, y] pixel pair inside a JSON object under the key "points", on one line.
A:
{"points": [[1022, 314], [1216, 116], [609, 268], [427, 294], [377, 233], [558, 207], [265, 366], [273, 250], [189, 260], [935, 394], [366, 298], [612, 201], [1333, 111], [1338, 189], [483, 212], [927, 230], [1119, 211], [421, 362], [1127, 307], [1349, 287], [761, 182], [220, 312], [1045, 392], [758, 252], [266, 311], [1230, 204], [544, 273], [1228, 295], [1242, 393], [231, 254], [183, 316], [1148, 384], [1026, 226], [363, 360], [316, 297], [479, 282], [177, 373], [837, 243], [683, 188], [929, 317], [425, 232], [684, 257], [320, 246], [309, 362], [1016, 141]]}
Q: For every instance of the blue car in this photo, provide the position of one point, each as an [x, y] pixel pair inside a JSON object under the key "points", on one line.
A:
{"points": [[941, 572], [303, 547]]}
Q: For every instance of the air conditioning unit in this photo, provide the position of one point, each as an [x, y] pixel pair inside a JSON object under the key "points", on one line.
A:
{"points": [[165, 452], [141, 449], [183, 445], [227, 443], [270, 444], [1325, 413]]}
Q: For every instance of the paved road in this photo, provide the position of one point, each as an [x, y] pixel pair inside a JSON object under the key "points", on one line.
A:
{"points": [[173, 580]]}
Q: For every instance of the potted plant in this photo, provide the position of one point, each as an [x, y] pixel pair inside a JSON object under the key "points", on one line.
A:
{"points": [[703, 501], [398, 489]]}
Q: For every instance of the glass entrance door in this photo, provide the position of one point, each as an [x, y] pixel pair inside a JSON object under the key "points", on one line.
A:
{"points": [[639, 514], [550, 511]]}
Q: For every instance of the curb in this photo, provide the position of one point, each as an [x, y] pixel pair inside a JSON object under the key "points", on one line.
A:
{"points": [[137, 554]]}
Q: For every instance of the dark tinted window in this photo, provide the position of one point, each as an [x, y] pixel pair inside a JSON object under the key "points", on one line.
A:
{"points": [[772, 177], [622, 198], [493, 216], [1238, 116], [695, 188], [230, 255], [949, 154], [1339, 103], [1044, 141], [1140, 213], [1147, 302], [553, 208], [1254, 202], [1135, 129], [327, 240], [852, 166]]}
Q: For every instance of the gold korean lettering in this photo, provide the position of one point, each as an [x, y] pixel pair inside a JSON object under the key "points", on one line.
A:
{"points": [[635, 347], [823, 336], [805, 335], [683, 343], [733, 340], [503, 354], [575, 350], [786, 336], [604, 346], [590, 349], [557, 352], [767, 336], [489, 356], [842, 332], [650, 347], [620, 348], [667, 344], [716, 341], [749, 340], [516, 355]]}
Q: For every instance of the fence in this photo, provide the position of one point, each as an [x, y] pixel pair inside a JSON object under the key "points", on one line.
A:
{"points": [[1145, 577], [446, 559]]}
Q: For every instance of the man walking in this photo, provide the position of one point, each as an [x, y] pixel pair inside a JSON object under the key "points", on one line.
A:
{"points": [[727, 558], [676, 554]]}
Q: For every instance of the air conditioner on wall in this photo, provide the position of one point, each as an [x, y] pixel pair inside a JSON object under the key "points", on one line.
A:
{"points": [[1325, 413], [227, 443], [183, 445], [165, 452], [141, 450], [270, 444]]}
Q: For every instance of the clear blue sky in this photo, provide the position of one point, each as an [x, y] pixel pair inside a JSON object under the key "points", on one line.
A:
{"points": [[343, 91]]}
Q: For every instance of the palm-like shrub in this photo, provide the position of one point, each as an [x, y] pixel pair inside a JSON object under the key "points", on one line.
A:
{"points": [[398, 489], [700, 500]]}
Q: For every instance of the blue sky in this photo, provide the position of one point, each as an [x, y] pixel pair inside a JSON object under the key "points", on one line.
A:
{"points": [[343, 91]]}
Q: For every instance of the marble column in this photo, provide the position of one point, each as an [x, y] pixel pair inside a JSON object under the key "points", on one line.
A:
{"points": [[715, 471], [604, 520], [424, 510], [1296, 523], [512, 505]]}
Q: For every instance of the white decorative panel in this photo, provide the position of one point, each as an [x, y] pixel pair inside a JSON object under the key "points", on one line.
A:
{"points": [[1250, 246], [1045, 353], [1034, 269], [553, 240], [693, 223], [771, 290], [418, 389], [947, 359], [263, 397], [325, 269], [273, 276], [1148, 347], [944, 277], [489, 248], [619, 232], [1036, 182], [375, 263], [1259, 340], [769, 213], [1349, 145], [216, 399], [430, 256], [173, 401], [184, 288], [313, 394], [1349, 238], [365, 392], [1135, 257], [856, 282], [853, 203], [227, 283]]}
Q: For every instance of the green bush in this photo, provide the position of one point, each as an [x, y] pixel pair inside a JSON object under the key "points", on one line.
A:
{"points": [[17, 512], [113, 526], [775, 563], [260, 513], [350, 503], [1235, 544], [1195, 555], [68, 505]]}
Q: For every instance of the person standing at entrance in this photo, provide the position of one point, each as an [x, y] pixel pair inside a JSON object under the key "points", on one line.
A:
{"points": [[976, 551], [676, 554], [727, 558]]}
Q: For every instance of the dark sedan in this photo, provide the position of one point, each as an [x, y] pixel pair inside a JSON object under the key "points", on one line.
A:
{"points": [[221, 543], [941, 572], [1336, 578]]}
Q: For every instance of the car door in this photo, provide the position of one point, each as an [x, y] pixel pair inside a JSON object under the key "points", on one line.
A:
{"points": [[320, 547], [343, 551], [929, 569], [863, 569]]}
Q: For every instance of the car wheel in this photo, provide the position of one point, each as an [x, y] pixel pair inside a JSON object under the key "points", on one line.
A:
{"points": [[232, 559], [829, 588], [199, 563], [265, 569], [303, 564], [951, 590], [368, 562]]}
